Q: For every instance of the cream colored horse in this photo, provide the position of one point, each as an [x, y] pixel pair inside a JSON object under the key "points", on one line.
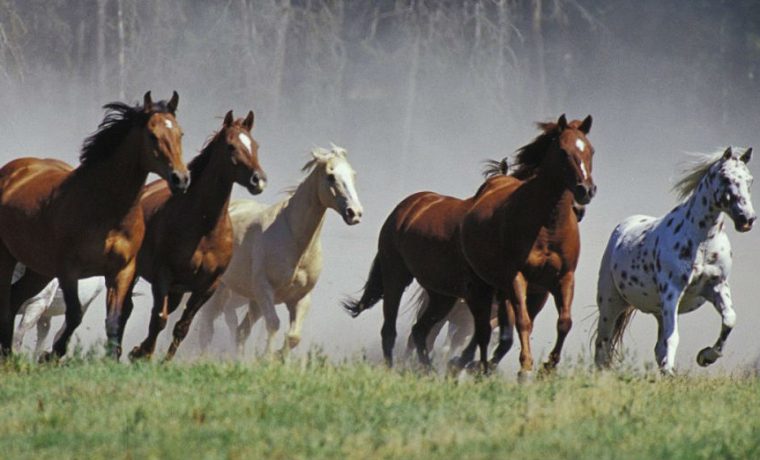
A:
{"points": [[277, 254]]}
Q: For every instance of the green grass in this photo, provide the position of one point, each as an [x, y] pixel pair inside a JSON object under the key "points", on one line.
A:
{"points": [[312, 409]]}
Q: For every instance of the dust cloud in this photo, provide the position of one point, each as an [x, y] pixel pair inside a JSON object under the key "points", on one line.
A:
{"points": [[419, 93]]}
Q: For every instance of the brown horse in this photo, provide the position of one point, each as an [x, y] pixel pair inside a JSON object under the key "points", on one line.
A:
{"points": [[537, 237], [424, 237], [549, 268], [188, 238], [75, 223]]}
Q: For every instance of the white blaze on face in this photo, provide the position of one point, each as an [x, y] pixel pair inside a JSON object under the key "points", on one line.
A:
{"points": [[168, 124], [245, 140], [345, 176], [580, 144]]}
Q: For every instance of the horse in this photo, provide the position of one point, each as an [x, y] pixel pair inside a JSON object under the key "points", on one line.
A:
{"points": [[277, 255], [423, 238], [672, 264], [550, 265], [188, 237], [75, 223]]}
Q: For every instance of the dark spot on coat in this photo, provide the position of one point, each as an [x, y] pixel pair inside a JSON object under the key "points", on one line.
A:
{"points": [[678, 227]]}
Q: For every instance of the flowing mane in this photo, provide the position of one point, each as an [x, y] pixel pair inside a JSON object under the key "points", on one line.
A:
{"points": [[119, 118], [530, 156], [319, 155], [693, 175], [493, 168]]}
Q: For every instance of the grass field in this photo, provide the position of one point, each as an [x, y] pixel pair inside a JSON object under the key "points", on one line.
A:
{"points": [[308, 408]]}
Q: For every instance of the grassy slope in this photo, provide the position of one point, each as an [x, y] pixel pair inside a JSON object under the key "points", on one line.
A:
{"points": [[312, 409]]}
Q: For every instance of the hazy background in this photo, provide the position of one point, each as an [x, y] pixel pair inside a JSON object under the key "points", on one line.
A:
{"points": [[420, 92]]}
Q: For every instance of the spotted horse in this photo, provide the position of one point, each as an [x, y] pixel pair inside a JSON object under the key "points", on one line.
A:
{"points": [[673, 264]]}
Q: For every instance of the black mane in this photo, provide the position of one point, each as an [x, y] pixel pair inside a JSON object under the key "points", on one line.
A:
{"points": [[119, 118], [530, 156]]}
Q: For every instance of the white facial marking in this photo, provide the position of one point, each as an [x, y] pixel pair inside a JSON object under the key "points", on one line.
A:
{"points": [[343, 173], [168, 124], [580, 144], [245, 140], [583, 169]]}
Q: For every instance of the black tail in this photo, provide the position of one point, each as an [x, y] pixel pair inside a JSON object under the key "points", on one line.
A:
{"points": [[373, 291]]}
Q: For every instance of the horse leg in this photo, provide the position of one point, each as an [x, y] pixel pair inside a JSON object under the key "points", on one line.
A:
{"points": [[7, 316], [194, 303], [126, 309], [439, 306], [264, 303], [670, 327], [479, 301], [73, 315], [158, 317], [214, 306], [297, 313], [563, 300], [396, 278], [517, 296], [611, 306], [506, 316], [33, 310], [241, 332], [721, 299], [117, 286], [659, 348], [43, 329]]}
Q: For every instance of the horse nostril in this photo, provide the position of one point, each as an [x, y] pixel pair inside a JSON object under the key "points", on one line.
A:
{"points": [[751, 220], [350, 213]]}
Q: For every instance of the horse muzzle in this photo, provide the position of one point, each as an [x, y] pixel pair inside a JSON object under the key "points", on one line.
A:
{"points": [[179, 181], [257, 184], [744, 224], [583, 193], [352, 215]]}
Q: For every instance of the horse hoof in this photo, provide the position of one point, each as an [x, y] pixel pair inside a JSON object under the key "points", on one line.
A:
{"points": [[137, 353], [48, 357], [524, 376], [707, 356]]}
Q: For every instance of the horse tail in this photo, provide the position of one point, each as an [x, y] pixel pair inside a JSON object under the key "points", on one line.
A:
{"points": [[419, 302], [373, 291], [621, 324]]}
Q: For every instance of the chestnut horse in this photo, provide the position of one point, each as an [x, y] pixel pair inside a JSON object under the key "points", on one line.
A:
{"points": [[548, 269], [433, 238], [188, 238], [76, 223]]}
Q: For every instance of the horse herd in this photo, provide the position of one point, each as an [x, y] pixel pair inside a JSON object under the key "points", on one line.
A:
{"points": [[503, 250]]}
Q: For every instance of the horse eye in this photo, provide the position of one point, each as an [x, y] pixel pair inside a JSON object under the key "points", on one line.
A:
{"points": [[331, 178]]}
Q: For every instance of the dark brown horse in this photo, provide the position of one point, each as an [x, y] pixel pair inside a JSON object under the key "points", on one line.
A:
{"points": [[423, 237], [188, 238], [75, 223]]}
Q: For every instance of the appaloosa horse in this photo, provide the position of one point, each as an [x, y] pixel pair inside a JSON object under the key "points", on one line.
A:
{"points": [[188, 238], [673, 264], [76, 223]]}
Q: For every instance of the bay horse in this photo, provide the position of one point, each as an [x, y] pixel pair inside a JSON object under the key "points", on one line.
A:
{"points": [[75, 223], [549, 268], [277, 255], [188, 237], [673, 264], [424, 239]]}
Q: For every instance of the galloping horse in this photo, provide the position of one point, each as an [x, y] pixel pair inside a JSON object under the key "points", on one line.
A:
{"points": [[188, 238], [673, 264], [76, 223], [548, 269], [277, 255], [424, 237]]}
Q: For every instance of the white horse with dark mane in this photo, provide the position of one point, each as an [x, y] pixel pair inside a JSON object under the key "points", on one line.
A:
{"points": [[673, 264], [277, 253]]}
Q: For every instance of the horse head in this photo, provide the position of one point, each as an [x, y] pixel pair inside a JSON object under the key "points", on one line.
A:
{"points": [[579, 154], [243, 152], [732, 189], [163, 142], [336, 179]]}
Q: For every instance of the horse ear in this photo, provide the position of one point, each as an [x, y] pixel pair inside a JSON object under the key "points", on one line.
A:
{"points": [[562, 122], [147, 102], [228, 119], [747, 155], [728, 153], [173, 103], [248, 122], [585, 127]]}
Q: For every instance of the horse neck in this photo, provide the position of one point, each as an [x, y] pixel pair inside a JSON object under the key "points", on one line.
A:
{"points": [[305, 214], [698, 217], [542, 197], [209, 192], [118, 179]]}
